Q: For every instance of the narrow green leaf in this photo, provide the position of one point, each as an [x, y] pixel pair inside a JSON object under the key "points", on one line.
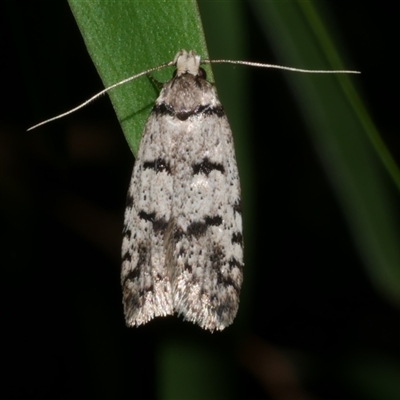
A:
{"points": [[124, 38]]}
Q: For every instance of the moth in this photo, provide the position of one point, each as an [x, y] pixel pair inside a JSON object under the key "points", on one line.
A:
{"points": [[182, 249]]}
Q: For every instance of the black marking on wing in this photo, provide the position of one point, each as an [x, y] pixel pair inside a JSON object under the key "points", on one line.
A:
{"points": [[227, 281], [213, 221], [147, 216], [135, 299], [188, 267], [127, 233], [158, 165], [129, 201], [237, 237], [162, 109], [133, 275], [235, 263], [127, 257], [143, 255], [197, 229], [217, 111], [237, 207], [177, 235], [217, 259], [206, 166], [159, 225]]}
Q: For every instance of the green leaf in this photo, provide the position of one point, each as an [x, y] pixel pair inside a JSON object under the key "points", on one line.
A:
{"points": [[124, 38]]}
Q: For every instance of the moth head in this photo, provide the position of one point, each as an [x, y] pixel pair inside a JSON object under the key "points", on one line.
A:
{"points": [[187, 63]]}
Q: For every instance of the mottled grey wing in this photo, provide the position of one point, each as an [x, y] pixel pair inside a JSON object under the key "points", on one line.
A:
{"points": [[146, 285], [204, 239]]}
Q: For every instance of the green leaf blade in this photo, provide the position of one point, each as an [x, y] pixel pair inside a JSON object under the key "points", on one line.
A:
{"points": [[123, 38]]}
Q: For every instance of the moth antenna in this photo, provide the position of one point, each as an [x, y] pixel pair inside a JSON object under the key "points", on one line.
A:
{"points": [[170, 63], [96, 96], [260, 65]]}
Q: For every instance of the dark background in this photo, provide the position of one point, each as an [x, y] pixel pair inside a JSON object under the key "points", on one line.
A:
{"points": [[62, 200]]}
